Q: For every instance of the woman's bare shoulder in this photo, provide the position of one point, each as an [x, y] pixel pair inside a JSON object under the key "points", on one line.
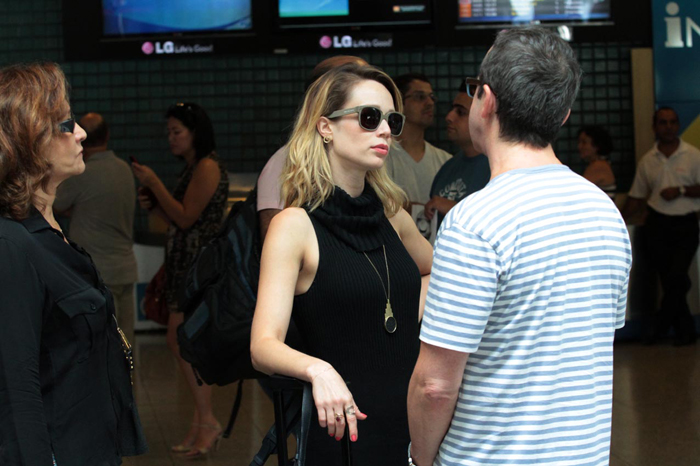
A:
{"points": [[292, 220]]}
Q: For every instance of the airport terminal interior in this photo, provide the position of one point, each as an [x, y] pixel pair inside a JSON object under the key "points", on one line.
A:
{"points": [[250, 79]]}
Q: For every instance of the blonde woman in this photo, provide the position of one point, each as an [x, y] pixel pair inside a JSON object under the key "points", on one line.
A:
{"points": [[347, 263]]}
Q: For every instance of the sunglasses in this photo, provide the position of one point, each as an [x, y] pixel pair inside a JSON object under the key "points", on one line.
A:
{"points": [[371, 117], [67, 126], [472, 85]]}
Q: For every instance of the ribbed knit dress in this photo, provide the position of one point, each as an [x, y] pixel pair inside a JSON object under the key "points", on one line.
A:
{"points": [[341, 320]]}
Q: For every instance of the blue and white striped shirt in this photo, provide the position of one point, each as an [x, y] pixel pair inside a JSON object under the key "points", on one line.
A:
{"points": [[530, 277]]}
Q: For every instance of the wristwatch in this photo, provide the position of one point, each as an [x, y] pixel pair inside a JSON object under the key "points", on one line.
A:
{"points": [[681, 189]]}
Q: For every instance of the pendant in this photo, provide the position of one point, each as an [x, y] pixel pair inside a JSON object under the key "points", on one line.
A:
{"points": [[389, 319]]}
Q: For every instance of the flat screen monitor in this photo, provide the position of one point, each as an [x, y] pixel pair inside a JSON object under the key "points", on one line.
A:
{"points": [[145, 17], [484, 12], [353, 13]]}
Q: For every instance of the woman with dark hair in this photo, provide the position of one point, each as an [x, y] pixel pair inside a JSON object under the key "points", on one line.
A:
{"points": [[347, 263], [194, 212], [65, 390], [595, 146]]}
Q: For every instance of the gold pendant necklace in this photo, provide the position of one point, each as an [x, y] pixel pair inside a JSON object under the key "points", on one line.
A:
{"points": [[389, 319]]}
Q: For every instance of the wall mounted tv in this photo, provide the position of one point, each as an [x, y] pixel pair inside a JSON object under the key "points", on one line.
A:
{"points": [[495, 13], [353, 13], [139, 17], [116, 29]]}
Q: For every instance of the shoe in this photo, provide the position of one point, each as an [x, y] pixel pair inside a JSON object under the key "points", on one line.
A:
{"points": [[202, 452], [188, 443]]}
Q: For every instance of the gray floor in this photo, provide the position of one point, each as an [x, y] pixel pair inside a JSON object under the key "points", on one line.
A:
{"points": [[656, 412]]}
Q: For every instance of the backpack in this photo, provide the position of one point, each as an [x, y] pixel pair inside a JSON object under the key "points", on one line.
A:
{"points": [[218, 298]]}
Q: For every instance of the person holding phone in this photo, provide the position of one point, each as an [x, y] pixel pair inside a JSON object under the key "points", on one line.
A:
{"points": [[194, 211], [347, 263]]}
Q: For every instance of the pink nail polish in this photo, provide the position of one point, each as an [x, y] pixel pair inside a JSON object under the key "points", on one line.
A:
{"points": [[338, 439], [330, 435], [353, 438]]}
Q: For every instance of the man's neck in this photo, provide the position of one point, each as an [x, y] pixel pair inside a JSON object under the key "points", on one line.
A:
{"points": [[469, 150], [413, 141], [505, 156], [668, 148], [90, 151]]}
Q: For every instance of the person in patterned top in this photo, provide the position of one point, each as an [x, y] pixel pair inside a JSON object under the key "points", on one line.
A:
{"points": [[194, 211]]}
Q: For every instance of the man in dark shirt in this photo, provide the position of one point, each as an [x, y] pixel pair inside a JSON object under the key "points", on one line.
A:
{"points": [[465, 173]]}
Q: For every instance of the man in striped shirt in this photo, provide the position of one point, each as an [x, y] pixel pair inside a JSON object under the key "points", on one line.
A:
{"points": [[529, 283]]}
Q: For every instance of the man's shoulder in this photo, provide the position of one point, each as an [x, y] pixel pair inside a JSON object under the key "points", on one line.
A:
{"points": [[690, 150], [440, 154]]}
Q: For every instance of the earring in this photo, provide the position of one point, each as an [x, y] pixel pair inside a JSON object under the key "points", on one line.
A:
{"points": [[327, 139]]}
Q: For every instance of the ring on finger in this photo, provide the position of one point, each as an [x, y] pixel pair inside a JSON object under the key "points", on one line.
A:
{"points": [[350, 410], [338, 416]]}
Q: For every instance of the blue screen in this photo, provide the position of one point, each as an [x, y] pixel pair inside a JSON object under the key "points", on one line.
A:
{"points": [[309, 8], [124, 17]]}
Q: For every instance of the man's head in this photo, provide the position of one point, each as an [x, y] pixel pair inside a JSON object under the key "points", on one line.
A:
{"points": [[418, 99], [97, 130], [458, 119], [328, 64], [529, 81], [666, 125]]}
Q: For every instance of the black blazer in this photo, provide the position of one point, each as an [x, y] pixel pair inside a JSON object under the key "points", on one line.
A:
{"points": [[64, 380]]}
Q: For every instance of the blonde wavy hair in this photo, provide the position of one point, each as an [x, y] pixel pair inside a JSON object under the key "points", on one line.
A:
{"points": [[307, 180]]}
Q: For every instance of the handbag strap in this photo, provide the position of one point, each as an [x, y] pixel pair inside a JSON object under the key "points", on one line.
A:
{"points": [[234, 410], [307, 408]]}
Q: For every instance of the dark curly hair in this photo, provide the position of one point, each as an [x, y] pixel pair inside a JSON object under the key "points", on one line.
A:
{"points": [[600, 137], [33, 99], [197, 121]]}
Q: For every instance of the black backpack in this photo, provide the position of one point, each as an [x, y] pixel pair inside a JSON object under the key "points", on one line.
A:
{"points": [[218, 298]]}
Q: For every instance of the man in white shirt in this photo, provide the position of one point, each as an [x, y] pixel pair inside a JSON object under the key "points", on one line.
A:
{"points": [[668, 182], [413, 162]]}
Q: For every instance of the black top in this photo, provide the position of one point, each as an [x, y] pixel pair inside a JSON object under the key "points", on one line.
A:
{"points": [[341, 319], [64, 380]]}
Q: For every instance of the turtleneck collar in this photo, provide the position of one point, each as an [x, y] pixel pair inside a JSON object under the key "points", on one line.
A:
{"points": [[354, 220]]}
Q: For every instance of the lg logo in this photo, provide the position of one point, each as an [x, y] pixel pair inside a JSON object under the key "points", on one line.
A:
{"points": [[166, 47], [336, 42], [674, 28]]}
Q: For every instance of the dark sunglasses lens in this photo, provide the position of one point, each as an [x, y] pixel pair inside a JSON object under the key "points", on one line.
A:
{"points": [[370, 117], [471, 89], [67, 126], [395, 121]]}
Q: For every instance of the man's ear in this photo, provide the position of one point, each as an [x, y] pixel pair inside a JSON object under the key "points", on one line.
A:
{"points": [[323, 126], [488, 108], [568, 114]]}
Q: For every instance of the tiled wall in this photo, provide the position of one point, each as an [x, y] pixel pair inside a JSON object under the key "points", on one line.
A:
{"points": [[252, 98]]}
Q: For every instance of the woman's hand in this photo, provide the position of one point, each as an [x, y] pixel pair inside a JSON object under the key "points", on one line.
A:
{"points": [[335, 404], [145, 200], [144, 174]]}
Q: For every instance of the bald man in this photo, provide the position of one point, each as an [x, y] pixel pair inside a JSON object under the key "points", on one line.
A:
{"points": [[100, 204]]}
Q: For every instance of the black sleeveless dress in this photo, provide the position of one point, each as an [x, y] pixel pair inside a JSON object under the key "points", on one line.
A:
{"points": [[341, 320]]}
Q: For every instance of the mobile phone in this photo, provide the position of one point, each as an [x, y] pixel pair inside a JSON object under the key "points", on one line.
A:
{"points": [[133, 159]]}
